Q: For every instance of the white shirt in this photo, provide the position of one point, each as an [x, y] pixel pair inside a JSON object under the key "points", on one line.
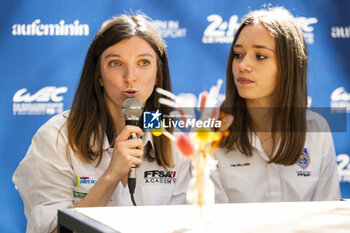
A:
{"points": [[47, 180], [252, 179]]}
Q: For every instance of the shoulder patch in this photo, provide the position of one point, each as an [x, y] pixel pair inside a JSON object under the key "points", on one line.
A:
{"points": [[304, 159]]}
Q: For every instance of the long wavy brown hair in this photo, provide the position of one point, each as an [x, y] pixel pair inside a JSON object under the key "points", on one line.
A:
{"points": [[89, 120], [289, 119]]}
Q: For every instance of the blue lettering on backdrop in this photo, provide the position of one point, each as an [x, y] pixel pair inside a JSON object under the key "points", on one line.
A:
{"points": [[44, 44]]}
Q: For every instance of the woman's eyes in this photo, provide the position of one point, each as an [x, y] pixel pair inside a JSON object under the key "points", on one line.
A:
{"points": [[144, 62], [260, 57], [240, 55], [237, 55], [114, 63]]}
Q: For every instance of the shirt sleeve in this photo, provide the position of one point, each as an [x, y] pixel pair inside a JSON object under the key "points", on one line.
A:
{"points": [[45, 179], [328, 185]]}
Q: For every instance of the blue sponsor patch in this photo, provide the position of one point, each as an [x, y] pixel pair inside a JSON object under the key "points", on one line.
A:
{"points": [[304, 159]]}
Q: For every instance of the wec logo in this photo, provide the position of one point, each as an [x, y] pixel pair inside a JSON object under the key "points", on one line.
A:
{"points": [[43, 95], [48, 100]]}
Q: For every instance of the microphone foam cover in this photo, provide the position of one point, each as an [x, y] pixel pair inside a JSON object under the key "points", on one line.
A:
{"points": [[132, 107]]}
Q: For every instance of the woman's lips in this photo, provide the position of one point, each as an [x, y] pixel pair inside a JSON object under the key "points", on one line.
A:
{"points": [[244, 81], [130, 94]]}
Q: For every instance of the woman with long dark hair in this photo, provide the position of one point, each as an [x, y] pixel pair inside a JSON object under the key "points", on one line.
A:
{"points": [[277, 150], [82, 157]]}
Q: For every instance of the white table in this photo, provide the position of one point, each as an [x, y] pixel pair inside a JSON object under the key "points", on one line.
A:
{"points": [[253, 217]]}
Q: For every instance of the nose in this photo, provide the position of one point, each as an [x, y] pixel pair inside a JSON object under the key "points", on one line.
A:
{"points": [[129, 73], [245, 64]]}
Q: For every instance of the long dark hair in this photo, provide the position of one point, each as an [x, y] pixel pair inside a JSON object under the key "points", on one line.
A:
{"points": [[290, 95], [89, 119]]}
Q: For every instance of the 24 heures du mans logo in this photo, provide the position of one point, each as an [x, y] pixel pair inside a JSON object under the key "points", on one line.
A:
{"points": [[160, 177]]}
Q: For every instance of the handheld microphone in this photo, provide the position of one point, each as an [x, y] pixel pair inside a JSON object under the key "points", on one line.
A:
{"points": [[132, 110]]}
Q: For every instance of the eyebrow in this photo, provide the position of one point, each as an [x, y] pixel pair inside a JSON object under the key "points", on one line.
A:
{"points": [[255, 46], [140, 55]]}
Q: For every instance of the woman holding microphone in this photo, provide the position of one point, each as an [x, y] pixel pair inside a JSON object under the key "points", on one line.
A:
{"points": [[82, 157]]}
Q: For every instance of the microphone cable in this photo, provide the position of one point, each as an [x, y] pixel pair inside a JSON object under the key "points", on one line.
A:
{"points": [[132, 176], [132, 183]]}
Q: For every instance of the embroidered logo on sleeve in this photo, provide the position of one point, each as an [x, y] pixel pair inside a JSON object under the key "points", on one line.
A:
{"points": [[304, 159], [77, 181], [160, 177], [82, 184], [83, 180], [303, 162], [79, 195]]}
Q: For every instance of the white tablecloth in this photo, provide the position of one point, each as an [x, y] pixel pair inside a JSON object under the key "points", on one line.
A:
{"points": [[253, 217]]}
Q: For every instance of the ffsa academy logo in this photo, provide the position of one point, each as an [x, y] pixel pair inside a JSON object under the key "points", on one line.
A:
{"points": [[46, 101], [160, 177]]}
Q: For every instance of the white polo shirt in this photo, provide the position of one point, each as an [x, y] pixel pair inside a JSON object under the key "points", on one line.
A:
{"points": [[252, 179], [47, 180]]}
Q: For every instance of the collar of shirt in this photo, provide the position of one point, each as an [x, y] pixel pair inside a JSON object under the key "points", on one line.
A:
{"points": [[258, 146], [147, 137]]}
